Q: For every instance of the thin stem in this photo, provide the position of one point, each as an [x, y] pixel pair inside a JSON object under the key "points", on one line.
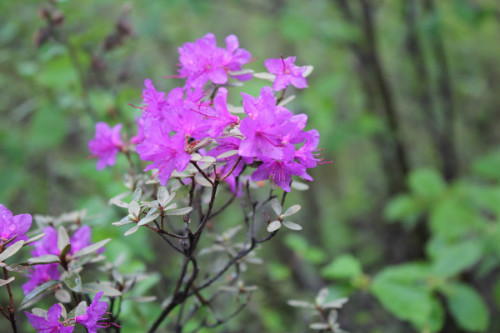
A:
{"points": [[11, 308]]}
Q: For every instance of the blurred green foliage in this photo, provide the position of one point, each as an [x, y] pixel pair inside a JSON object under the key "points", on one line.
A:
{"points": [[424, 258]]}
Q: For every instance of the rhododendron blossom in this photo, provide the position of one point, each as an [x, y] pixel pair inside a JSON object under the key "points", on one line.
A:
{"points": [[93, 317], [106, 144], [203, 61], [51, 324], [13, 226], [286, 73]]}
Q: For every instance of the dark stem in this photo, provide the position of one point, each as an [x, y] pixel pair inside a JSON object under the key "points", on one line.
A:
{"points": [[11, 308]]}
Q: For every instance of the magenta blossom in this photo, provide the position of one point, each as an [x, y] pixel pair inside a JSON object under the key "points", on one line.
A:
{"points": [[281, 171], [286, 73], [203, 61], [93, 317], [51, 324], [264, 127], [48, 245], [167, 153], [106, 144], [13, 226]]}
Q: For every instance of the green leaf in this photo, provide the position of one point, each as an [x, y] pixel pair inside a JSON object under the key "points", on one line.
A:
{"points": [[45, 259], [453, 259], [91, 248], [467, 307], [48, 128], [94, 287], [11, 250], [453, 218], [38, 290], [73, 281], [343, 267], [402, 207], [63, 240], [399, 290], [426, 183]]}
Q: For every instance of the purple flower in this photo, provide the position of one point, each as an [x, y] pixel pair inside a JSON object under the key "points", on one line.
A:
{"points": [[167, 153], [222, 118], [203, 61], [95, 311], [139, 137], [286, 73], [40, 274], [13, 226], [264, 127], [106, 144], [281, 171], [305, 154], [50, 324], [48, 245]]}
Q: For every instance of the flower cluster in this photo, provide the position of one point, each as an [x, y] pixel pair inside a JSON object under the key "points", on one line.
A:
{"points": [[40, 274], [92, 318], [198, 119]]}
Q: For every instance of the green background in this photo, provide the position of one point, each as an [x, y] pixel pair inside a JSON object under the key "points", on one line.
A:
{"points": [[410, 235]]}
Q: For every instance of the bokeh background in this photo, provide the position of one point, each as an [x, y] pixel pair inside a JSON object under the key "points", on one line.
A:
{"points": [[405, 93]]}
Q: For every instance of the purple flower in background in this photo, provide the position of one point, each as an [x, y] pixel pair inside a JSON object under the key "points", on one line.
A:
{"points": [[95, 311], [286, 73], [139, 137], [50, 324], [40, 274], [203, 61], [13, 226], [106, 144], [167, 153], [48, 245]]}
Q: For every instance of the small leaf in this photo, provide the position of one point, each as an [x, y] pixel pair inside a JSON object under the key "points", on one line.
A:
{"points": [[81, 309], [62, 239], [322, 295], [65, 251], [131, 230], [273, 226], [39, 312], [38, 290], [45, 259], [148, 219], [118, 202], [336, 304], [72, 280], [34, 239], [308, 71], [11, 250], [208, 159], [227, 154], [343, 267], [91, 248], [292, 225], [241, 72], [63, 296], [202, 180], [456, 258], [265, 76], [467, 307], [319, 326], [134, 209], [94, 287], [299, 186], [123, 221], [276, 206], [300, 304], [136, 196], [5, 282], [292, 210], [164, 197], [180, 211]]}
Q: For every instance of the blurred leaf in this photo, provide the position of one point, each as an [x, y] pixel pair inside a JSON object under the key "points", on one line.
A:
{"points": [[38, 290], [467, 307], [343, 267], [48, 128], [399, 291], [453, 259], [11, 250], [402, 207], [91, 248], [73, 281], [426, 183], [488, 165]]}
